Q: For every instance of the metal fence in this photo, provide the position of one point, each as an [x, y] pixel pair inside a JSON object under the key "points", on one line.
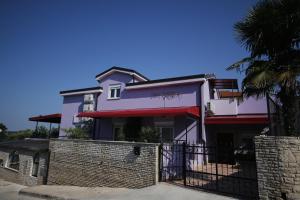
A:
{"points": [[229, 171]]}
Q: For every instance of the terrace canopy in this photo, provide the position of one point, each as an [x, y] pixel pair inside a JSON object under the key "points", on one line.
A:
{"points": [[237, 119], [52, 118], [193, 111]]}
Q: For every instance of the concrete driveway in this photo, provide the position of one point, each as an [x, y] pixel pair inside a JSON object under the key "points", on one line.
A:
{"points": [[9, 191]]}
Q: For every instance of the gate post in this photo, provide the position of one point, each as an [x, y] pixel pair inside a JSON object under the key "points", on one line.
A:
{"points": [[161, 162], [184, 163]]}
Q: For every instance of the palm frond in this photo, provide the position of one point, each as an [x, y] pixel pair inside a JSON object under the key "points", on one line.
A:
{"points": [[239, 66]]}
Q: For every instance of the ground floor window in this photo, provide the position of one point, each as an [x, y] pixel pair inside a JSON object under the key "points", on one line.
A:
{"points": [[118, 133], [14, 160], [166, 134]]}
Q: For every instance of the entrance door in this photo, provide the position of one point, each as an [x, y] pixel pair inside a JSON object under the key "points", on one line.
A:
{"points": [[225, 148]]}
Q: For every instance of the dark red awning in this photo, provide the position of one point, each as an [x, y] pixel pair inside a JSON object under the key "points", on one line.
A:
{"points": [[237, 119], [52, 118], [151, 112]]}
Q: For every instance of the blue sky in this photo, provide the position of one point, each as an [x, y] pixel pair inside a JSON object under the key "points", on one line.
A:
{"points": [[52, 45]]}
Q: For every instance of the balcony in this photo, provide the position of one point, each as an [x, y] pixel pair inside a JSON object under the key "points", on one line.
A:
{"points": [[223, 106], [234, 106]]}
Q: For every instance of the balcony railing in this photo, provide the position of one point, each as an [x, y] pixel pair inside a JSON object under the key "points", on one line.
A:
{"points": [[223, 106]]}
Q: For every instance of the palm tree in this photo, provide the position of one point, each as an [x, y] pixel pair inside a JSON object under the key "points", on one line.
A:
{"points": [[271, 33]]}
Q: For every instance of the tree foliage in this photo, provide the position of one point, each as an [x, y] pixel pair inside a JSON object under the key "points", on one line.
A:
{"points": [[271, 33], [3, 134]]}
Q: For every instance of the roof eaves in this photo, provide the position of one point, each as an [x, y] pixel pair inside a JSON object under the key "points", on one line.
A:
{"points": [[168, 79], [81, 90]]}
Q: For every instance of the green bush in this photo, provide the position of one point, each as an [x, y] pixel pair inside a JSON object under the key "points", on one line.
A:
{"points": [[82, 132], [148, 134], [54, 133], [40, 132], [20, 135], [76, 133]]}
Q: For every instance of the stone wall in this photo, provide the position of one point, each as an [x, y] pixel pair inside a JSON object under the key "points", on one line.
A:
{"points": [[278, 167], [23, 175], [102, 163]]}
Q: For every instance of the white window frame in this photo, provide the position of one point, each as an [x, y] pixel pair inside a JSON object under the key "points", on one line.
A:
{"points": [[114, 87]]}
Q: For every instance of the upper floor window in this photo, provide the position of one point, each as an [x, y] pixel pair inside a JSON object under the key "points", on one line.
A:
{"points": [[14, 160], [114, 91]]}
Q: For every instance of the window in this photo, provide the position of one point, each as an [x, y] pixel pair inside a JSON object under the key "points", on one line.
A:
{"points": [[14, 160], [114, 91], [35, 165], [166, 134]]}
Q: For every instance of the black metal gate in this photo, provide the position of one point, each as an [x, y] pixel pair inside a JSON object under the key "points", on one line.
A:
{"points": [[229, 171]]}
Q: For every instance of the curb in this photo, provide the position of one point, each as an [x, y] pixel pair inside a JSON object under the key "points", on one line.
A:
{"points": [[44, 196]]}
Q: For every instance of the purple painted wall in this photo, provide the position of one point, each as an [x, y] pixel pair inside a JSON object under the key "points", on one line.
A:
{"points": [[180, 125], [72, 105], [175, 96], [253, 105]]}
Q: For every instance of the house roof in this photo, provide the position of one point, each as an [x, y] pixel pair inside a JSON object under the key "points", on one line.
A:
{"points": [[121, 70], [52, 118], [81, 91], [149, 112], [171, 81], [27, 144]]}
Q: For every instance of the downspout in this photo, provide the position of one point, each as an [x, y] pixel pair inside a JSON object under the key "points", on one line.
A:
{"points": [[95, 119], [200, 135]]}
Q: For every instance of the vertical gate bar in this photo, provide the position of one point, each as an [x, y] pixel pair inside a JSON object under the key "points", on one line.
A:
{"points": [[198, 155], [169, 163], [202, 167], [216, 159], [193, 167], [184, 163]]}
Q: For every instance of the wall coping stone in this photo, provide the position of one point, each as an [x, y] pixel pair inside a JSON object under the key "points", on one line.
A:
{"points": [[277, 137], [106, 142]]}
